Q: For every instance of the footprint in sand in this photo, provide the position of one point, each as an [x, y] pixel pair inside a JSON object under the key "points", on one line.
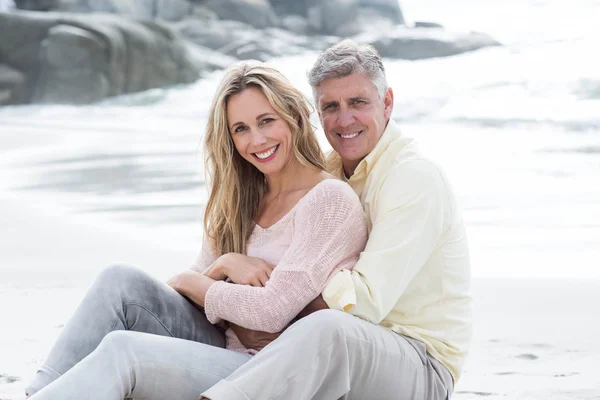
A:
{"points": [[540, 346], [527, 357], [483, 394], [8, 379], [566, 375]]}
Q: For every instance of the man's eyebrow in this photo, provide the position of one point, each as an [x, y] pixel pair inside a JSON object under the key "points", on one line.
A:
{"points": [[329, 103], [357, 98]]}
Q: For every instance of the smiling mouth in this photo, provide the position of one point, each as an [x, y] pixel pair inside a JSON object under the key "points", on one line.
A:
{"points": [[267, 154], [351, 135]]}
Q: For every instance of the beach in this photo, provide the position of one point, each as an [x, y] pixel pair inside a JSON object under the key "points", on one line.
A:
{"points": [[533, 339], [516, 128]]}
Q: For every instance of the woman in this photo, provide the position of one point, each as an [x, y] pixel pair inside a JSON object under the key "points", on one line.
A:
{"points": [[276, 228]]}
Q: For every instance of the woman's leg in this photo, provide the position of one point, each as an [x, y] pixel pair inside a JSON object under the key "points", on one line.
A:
{"points": [[142, 366], [124, 298]]}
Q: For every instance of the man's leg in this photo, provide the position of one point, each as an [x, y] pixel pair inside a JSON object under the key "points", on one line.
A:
{"points": [[124, 298], [143, 366], [332, 355]]}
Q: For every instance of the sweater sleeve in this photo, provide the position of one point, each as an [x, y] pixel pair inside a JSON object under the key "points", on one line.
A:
{"points": [[330, 231], [205, 258]]}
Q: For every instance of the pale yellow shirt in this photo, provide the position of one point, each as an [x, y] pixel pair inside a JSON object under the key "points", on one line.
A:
{"points": [[414, 275]]}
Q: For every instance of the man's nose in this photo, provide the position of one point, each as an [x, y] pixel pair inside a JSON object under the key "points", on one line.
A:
{"points": [[345, 118]]}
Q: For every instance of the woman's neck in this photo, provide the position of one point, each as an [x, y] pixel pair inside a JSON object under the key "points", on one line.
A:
{"points": [[292, 177]]}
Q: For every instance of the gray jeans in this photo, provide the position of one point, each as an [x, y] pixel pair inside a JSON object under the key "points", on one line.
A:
{"points": [[94, 340], [328, 355]]}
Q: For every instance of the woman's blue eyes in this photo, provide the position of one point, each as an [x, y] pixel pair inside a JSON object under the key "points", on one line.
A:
{"points": [[241, 128]]}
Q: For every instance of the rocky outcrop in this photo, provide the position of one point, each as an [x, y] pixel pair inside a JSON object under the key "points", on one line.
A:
{"points": [[92, 49], [257, 13], [242, 41], [73, 58], [416, 44], [12, 84], [388, 8]]}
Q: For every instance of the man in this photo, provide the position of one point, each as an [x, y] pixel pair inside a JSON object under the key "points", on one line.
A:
{"points": [[400, 322]]}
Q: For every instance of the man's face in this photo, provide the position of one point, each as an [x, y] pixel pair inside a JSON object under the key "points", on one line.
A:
{"points": [[353, 116]]}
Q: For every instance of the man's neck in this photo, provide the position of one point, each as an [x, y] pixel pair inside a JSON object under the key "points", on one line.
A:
{"points": [[348, 167]]}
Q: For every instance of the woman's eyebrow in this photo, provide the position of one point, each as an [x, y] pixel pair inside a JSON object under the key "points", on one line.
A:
{"points": [[264, 115]]}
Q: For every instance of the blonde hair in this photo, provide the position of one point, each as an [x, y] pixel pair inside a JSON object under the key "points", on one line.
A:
{"points": [[237, 187]]}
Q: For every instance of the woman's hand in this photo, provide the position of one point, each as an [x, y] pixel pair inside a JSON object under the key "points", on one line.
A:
{"points": [[192, 285], [241, 269], [181, 281]]}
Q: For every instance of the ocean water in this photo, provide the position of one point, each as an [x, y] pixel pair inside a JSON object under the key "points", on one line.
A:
{"points": [[516, 128]]}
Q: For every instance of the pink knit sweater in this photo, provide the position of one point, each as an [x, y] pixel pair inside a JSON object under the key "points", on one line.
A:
{"points": [[323, 233]]}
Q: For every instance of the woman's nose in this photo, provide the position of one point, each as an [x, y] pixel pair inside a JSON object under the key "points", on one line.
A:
{"points": [[258, 138]]}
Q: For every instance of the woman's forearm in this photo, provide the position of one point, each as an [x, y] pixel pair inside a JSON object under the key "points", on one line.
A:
{"points": [[192, 285]]}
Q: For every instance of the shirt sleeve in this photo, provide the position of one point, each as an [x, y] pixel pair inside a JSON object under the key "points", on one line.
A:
{"points": [[330, 230], [205, 258], [408, 220]]}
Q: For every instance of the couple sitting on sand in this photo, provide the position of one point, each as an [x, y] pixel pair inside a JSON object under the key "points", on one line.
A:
{"points": [[347, 281]]}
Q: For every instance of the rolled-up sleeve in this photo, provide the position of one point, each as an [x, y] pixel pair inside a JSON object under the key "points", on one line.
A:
{"points": [[409, 216]]}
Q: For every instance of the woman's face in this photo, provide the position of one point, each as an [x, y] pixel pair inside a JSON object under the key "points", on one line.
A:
{"points": [[260, 135]]}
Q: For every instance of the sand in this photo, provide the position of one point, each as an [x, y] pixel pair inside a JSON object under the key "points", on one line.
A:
{"points": [[534, 339]]}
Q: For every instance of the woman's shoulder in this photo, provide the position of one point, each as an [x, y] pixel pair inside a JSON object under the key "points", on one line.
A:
{"points": [[331, 191]]}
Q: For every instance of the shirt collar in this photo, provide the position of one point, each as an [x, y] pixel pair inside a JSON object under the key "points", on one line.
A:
{"points": [[365, 166], [390, 134]]}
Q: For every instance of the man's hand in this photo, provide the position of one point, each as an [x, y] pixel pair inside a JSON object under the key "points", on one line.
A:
{"points": [[315, 305], [255, 340]]}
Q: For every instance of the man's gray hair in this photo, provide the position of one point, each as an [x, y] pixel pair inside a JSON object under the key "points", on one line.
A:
{"points": [[345, 58]]}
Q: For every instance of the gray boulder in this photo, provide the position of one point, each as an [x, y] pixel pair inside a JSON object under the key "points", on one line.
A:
{"points": [[169, 10], [257, 13], [72, 58], [340, 17], [12, 85], [7, 5], [242, 41], [287, 7], [215, 34], [415, 44], [388, 8], [208, 59], [427, 24], [334, 17], [295, 23], [38, 5]]}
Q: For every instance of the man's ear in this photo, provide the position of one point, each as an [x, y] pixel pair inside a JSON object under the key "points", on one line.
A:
{"points": [[388, 102]]}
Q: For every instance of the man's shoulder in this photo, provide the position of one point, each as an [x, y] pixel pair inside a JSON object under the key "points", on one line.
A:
{"points": [[407, 163]]}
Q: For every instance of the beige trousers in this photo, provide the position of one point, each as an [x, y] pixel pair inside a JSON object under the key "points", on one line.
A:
{"points": [[333, 355]]}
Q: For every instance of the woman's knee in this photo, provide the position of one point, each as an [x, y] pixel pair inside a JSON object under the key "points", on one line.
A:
{"points": [[122, 278], [119, 273]]}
